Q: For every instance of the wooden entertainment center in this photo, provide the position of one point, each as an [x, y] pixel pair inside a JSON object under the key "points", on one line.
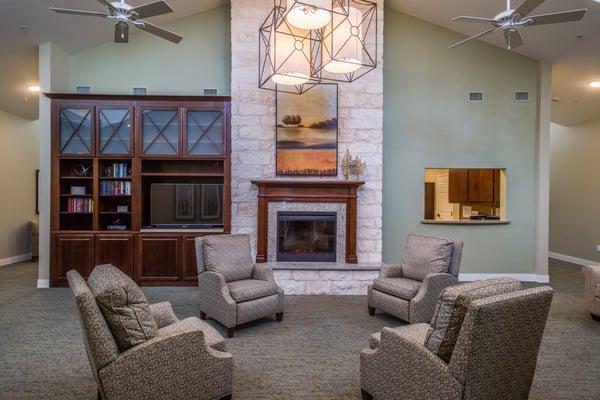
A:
{"points": [[106, 152]]}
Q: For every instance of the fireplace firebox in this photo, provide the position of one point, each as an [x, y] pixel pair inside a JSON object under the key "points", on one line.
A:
{"points": [[306, 236]]}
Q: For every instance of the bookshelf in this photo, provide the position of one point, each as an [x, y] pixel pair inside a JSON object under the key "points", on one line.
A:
{"points": [[107, 152]]}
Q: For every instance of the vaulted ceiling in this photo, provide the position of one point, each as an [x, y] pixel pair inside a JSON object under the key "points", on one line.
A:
{"points": [[576, 60]]}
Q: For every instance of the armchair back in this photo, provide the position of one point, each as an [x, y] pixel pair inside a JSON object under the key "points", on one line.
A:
{"points": [[228, 255], [100, 345], [457, 250], [496, 353]]}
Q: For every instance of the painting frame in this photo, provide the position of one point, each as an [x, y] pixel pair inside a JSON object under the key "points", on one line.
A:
{"points": [[281, 97]]}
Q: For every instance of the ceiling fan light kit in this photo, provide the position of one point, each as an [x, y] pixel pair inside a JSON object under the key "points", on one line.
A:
{"points": [[511, 20], [125, 14], [305, 42]]}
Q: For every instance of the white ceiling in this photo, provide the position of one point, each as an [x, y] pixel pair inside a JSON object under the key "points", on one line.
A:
{"points": [[18, 49], [576, 61]]}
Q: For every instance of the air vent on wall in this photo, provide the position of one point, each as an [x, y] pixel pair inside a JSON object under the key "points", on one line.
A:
{"points": [[476, 97], [521, 96], [83, 89], [210, 92], [139, 91]]}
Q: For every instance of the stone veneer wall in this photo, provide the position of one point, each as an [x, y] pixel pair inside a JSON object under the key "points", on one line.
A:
{"points": [[253, 129]]}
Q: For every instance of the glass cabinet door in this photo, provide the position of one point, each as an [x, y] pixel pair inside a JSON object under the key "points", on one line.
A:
{"points": [[114, 126], [160, 132], [75, 131], [204, 133]]}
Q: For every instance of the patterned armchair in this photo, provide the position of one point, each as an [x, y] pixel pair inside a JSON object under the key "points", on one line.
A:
{"points": [[186, 359], [410, 289], [234, 290], [592, 290], [491, 352]]}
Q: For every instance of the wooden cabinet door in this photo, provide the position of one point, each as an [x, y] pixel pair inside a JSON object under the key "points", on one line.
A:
{"points": [[115, 130], [204, 132], [497, 186], [159, 131], [458, 185], [75, 130], [72, 252], [116, 250], [159, 259], [190, 270], [481, 185]]}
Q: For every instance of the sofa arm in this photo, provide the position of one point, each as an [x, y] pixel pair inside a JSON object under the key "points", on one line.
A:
{"points": [[263, 272], [400, 368], [423, 304], [179, 365], [390, 271], [163, 314]]}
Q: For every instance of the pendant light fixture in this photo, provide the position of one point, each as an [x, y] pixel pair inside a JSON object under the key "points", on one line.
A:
{"points": [[305, 42]]}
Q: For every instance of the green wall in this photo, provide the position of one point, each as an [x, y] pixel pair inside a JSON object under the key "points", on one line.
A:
{"points": [[202, 60], [429, 123]]}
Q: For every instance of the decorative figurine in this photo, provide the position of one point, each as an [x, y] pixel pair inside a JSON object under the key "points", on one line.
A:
{"points": [[352, 167]]}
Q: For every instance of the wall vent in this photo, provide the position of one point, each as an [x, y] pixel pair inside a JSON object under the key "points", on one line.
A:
{"points": [[210, 92], [83, 89], [521, 96], [476, 97], [139, 91]]}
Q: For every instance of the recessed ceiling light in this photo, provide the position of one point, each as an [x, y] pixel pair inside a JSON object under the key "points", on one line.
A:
{"points": [[34, 88], [595, 84]]}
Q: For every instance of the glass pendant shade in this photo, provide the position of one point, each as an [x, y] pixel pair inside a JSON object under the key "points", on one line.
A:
{"points": [[290, 55], [343, 46], [308, 14]]}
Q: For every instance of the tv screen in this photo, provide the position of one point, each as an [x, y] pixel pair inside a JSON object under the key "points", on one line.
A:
{"points": [[182, 205]]}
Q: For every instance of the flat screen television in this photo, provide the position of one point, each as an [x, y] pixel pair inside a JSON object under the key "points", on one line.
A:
{"points": [[186, 205]]}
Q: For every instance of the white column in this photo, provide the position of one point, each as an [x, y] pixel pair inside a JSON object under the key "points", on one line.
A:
{"points": [[543, 171], [53, 74]]}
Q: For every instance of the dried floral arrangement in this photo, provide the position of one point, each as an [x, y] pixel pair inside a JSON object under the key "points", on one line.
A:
{"points": [[352, 166]]}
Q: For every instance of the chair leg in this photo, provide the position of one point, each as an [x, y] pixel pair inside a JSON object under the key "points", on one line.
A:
{"points": [[279, 317], [202, 315], [228, 397], [595, 317], [371, 311], [366, 395], [230, 332], [99, 395]]}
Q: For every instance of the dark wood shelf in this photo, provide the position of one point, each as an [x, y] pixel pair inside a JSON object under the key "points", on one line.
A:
{"points": [[114, 195], [115, 213], [186, 174], [77, 178], [76, 195], [108, 178], [76, 213]]}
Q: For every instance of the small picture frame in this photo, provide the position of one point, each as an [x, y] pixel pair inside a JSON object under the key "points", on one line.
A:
{"points": [[78, 190], [122, 209]]}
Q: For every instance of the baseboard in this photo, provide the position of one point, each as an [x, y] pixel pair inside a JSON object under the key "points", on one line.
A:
{"points": [[521, 277], [43, 283], [571, 259], [15, 259]]}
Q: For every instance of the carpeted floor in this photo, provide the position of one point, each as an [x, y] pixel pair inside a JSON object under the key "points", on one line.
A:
{"points": [[312, 354]]}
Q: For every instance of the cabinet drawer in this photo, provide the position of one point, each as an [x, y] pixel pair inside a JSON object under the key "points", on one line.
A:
{"points": [[116, 250]]}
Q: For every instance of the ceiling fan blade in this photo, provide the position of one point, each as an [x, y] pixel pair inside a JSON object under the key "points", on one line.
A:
{"points": [[474, 37], [527, 6], [463, 18], [513, 38], [106, 3], [152, 9], [78, 12], [158, 31], [122, 32], [555, 18]]}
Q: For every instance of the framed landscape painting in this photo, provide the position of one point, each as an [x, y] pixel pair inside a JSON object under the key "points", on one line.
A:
{"points": [[307, 132]]}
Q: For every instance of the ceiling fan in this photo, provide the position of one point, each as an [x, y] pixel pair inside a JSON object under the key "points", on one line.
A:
{"points": [[126, 14], [511, 20]]}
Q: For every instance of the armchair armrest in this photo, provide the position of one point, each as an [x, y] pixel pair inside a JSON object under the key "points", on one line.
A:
{"points": [[263, 272], [423, 304], [215, 299], [592, 272], [391, 271], [163, 314], [178, 363], [214, 284], [402, 368]]}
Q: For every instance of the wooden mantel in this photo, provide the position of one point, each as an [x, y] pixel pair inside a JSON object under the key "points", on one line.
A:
{"points": [[304, 190]]}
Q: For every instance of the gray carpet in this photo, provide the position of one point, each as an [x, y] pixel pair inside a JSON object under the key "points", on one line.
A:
{"points": [[312, 354]]}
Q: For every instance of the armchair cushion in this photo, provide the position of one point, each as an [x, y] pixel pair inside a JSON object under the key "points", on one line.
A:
{"points": [[399, 287], [123, 305], [228, 255], [424, 255], [452, 307], [211, 336], [250, 289]]}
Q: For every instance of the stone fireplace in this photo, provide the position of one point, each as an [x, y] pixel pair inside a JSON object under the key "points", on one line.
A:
{"points": [[306, 236]]}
